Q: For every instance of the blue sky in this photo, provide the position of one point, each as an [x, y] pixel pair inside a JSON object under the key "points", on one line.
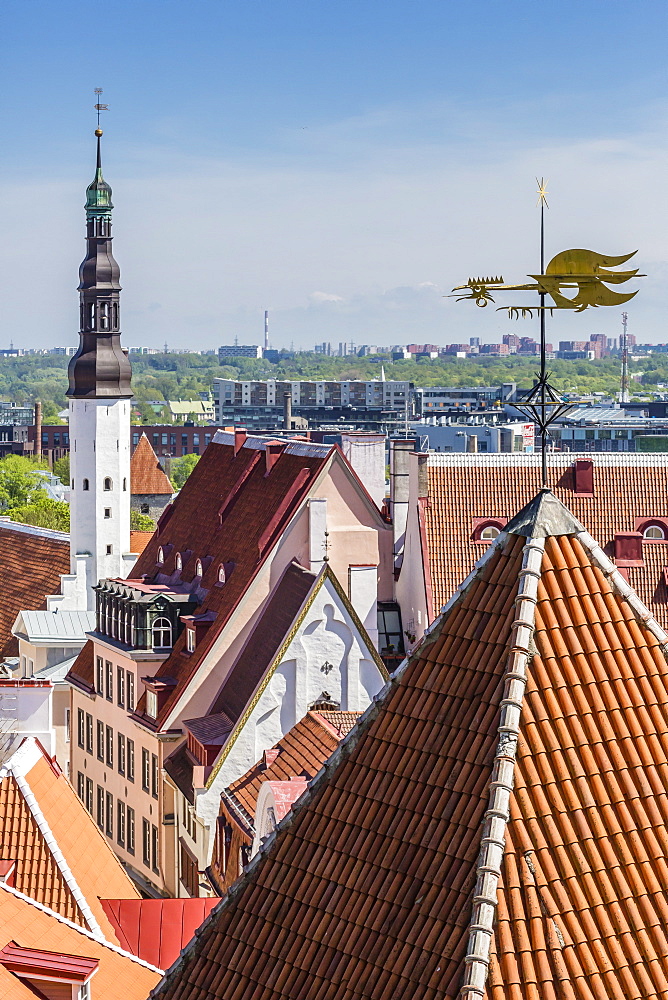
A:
{"points": [[341, 164]]}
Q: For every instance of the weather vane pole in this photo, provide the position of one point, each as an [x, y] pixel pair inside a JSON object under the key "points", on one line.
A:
{"points": [[582, 273], [98, 108]]}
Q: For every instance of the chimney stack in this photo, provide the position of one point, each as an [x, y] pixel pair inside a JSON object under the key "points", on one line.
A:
{"points": [[239, 439], [38, 430], [287, 411]]}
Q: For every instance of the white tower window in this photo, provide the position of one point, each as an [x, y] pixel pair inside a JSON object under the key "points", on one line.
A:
{"points": [[125, 485], [107, 512], [107, 483], [85, 484], [162, 633]]}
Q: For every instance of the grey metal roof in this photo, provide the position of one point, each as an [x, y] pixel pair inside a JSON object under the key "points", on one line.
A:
{"points": [[68, 625]]}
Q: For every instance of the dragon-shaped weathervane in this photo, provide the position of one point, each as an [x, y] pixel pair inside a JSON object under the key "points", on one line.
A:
{"points": [[574, 279]]}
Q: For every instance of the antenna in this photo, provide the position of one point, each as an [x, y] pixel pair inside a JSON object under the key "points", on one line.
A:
{"points": [[266, 329], [624, 387]]}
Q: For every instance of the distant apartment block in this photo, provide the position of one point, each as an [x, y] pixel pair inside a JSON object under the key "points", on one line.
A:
{"points": [[435, 401], [239, 351]]}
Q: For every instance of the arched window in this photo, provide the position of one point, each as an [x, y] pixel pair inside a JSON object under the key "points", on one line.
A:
{"points": [[161, 557], [178, 562], [221, 574], [198, 568], [85, 484], [490, 532], [162, 633], [107, 483], [654, 531]]}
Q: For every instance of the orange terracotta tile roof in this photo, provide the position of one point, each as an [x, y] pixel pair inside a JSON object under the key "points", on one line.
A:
{"points": [[147, 475], [139, 540], [413, 868], [157, 929], [30, 925], [62, 859], [32, 561], [466, 488]]}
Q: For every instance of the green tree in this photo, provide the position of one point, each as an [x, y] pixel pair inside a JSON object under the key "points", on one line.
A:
{"points": [[61, 468], [18, 482], [141, 522], [181, 469], [43, 512]]}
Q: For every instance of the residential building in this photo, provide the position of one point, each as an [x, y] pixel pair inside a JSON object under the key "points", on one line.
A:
{"points": [[199, 411], [239, 351], [296, 758], [150, 489], [257, 521], [436, 401], [493, 825], [609, 428], [474, 434], [373, 405], [459, 503]]}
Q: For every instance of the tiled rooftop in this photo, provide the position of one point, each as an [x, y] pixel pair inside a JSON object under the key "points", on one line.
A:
{"points": [[147, 475], [412, 868], [466, 488]]}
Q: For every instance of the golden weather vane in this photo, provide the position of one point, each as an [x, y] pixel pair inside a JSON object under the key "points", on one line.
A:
{"points": [[573, 279]]}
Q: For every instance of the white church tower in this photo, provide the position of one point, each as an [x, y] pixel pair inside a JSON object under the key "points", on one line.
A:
{"points": [[100, 394]]}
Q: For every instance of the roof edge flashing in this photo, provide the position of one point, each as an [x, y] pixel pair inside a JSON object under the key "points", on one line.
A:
{"points": [[543, 517]]}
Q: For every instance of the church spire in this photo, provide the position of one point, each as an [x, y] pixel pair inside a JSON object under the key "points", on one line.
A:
{"points": [[99, 369]]}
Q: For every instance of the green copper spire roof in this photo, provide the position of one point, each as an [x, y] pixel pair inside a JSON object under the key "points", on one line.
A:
{"points": [[98, 192]]}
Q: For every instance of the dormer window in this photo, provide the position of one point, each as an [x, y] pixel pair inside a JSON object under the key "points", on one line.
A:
{"points": [[486, 529], [161, 557], [162, 633], [151, 704], [178, 562], [654, 531], [221, 574], [198, 568], [490, 532], [191, 641]]}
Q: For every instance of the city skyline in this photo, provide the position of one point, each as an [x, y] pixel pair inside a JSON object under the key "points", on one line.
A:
{"points": [[308, 162]]}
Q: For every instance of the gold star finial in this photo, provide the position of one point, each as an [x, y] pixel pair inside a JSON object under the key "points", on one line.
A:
{"points": [[542, 192]]}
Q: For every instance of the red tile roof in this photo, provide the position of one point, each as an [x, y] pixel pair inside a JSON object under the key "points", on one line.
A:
{"points": [[384, 882], [255, 512], [147, 475], [32, 561], [463, 489], [156, 929]]}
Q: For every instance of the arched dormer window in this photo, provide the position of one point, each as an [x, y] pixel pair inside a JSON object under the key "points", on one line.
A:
{"points": [[85, 484], [198, 568], [107, 483], [221, 574], [655, 532], [161, 557], [178, 562], [486, 529], [488, 533], [162, 633]]}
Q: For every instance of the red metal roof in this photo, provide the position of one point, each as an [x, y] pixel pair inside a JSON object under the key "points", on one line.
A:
{"points": [[54, 964], [156, 929]]}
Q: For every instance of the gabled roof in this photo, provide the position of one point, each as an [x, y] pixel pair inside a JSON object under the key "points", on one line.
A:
{"points": [[156, 929], [33, 926], [147, 475], [495, 825], [32, 560], [62, 859], [466, 488]]}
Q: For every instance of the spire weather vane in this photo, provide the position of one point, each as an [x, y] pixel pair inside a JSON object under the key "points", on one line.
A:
{"points": [[98, 108], [573, 279]]}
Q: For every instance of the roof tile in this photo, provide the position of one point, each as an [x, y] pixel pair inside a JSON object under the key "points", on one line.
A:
{"points": [[147, 475]]}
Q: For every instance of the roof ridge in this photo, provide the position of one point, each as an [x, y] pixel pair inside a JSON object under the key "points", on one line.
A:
{"points": [[544, 515], [77, 927]]}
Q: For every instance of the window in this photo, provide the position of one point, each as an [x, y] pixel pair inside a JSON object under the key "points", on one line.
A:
{"points": [[131, 690], [154, 775], [198, 568], [68, 733], [130, 832], [145, 508], [120, 686], [99, 671], [110, 815], [146, 842], [100, 807], [390, 635], [109, 550], [130, 760], [85, 485], [110, 747], [125, 485], [120, 823], [145, 769], [80, 727], [189, 871], [110, 681], [161, 557], [107, 483], [89, 733], [190, 640], [164, 439], [490, 532], [151, 704], [654, 531], [121, 753], [178, 562], [221, 574], [100, 740], [89, 795], [107, 512], [154, 849], [162, 633], [80, 785], [135, 438]]}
